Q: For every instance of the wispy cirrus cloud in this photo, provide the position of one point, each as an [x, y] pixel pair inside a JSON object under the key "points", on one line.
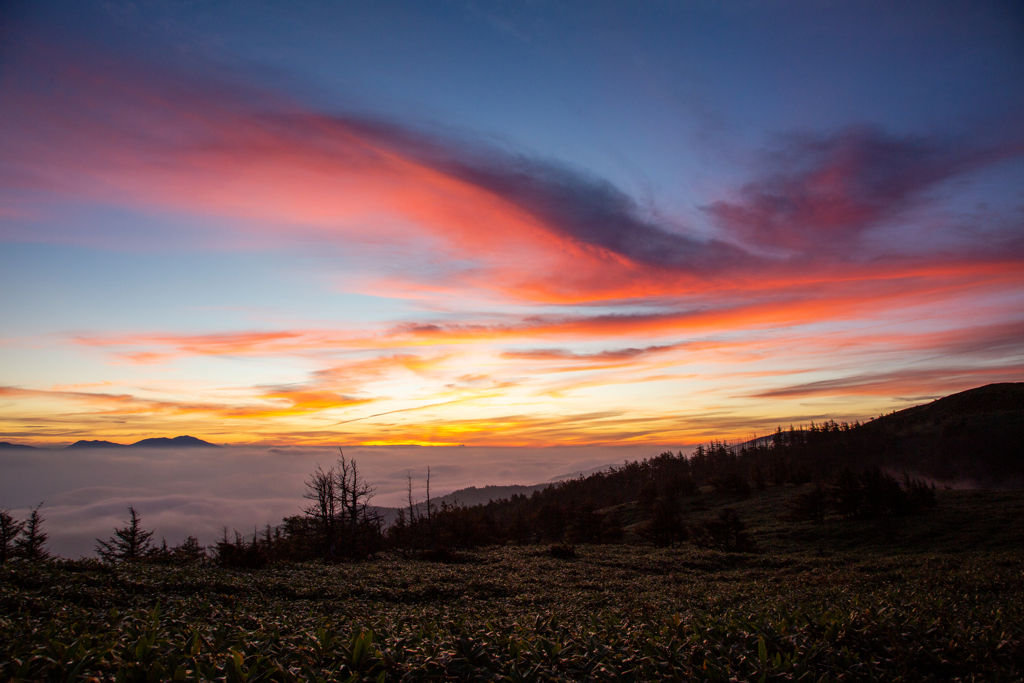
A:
{"points": [[280, 401], [522, 227], [825, 302], [820, 194], [950, 360], [933, 382], [566, 261], [613, 355], [217, 344]]}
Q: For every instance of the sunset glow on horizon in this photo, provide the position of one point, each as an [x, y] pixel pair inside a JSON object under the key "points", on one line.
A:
{"points": [[503, 225]]}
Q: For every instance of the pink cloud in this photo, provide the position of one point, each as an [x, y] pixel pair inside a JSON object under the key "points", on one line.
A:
{"points": [[820, 194], [524, 229]]}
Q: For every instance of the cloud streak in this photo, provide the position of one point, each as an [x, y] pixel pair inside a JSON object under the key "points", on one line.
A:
{"points": [[527, 229], [823, 193], [599, 357], [931, 382], [510, 269]]}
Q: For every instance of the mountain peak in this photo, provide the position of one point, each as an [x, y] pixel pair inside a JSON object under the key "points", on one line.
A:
{"points": [[157, 442], [4, 445], [176, 442], [84, 443]]}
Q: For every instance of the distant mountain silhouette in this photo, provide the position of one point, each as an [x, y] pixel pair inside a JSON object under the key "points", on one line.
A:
{"points": [[158, 442], [176, 442], [5, 446], [473, 495], [96, 444], [582, 473], [481, 496]]}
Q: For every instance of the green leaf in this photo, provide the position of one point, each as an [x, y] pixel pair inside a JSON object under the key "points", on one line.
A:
{"points": [[360, 647]]}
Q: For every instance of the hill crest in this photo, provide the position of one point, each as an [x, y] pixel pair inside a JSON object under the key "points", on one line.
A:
{"points": [[7, 446], [155, 442]]}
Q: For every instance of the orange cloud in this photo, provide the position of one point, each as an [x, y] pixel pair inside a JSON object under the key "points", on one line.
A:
{"points": [[600, 357], [793, 307], [432, 219], [291, 403], [223, 344]]}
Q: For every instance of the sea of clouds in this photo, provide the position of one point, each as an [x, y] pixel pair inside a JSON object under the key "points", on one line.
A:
{"points": [[199, 491]]}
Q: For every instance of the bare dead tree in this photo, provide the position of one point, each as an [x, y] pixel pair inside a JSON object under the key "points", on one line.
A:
{"points": [[322, 490], [355, 491], [363, 524], [340, 510], [430, 513], [408, 497], [346, 475]]}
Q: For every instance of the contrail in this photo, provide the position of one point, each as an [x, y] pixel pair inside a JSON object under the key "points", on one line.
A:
{"points": [[402, 410]]}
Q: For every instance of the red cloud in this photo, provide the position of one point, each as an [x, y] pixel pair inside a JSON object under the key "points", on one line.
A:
{"points": [[521, 228], [788, 252]]}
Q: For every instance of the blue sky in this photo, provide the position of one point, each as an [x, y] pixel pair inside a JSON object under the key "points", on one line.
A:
{"points": [[503, 223]]}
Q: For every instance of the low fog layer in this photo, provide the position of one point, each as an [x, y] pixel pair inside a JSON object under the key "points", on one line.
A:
{"points": [[199, 491]]}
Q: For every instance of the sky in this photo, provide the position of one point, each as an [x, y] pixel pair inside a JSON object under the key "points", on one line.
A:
{"points": [[503, 224]]}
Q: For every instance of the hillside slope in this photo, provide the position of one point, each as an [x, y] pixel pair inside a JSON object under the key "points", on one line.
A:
{"points": [[975, 435]]}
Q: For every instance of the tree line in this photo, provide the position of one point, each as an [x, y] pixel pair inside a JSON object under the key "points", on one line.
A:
{"points": [[641, 501]]}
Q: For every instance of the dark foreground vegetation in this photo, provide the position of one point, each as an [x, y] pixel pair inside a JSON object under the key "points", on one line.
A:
{"points": [[936, 597]]}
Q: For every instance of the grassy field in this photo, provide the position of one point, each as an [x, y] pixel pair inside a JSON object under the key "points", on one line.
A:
{"points": [[892, 609]]}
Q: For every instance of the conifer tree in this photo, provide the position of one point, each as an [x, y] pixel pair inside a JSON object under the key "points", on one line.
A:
{"points": [[9, 530], [128, 544], [30, 544]]}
